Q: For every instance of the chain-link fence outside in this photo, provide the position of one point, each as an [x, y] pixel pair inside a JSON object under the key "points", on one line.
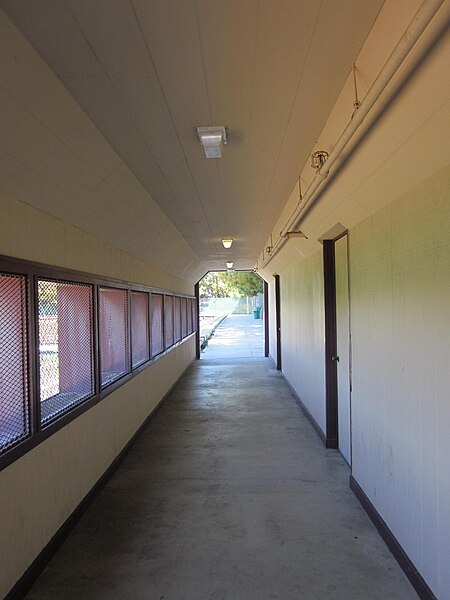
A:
{"points": [[65, 346]]}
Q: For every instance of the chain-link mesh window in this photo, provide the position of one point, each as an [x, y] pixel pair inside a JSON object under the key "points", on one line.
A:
{"points": [[184, 317], [177, 318], [65, 338], [113, 330], [194, 315], [189, 316], [140, 346], [66, 375], [157, 324], [14, 401], [168, 320]]}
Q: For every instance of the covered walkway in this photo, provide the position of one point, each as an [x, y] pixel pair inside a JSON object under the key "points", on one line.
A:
{"points": [[145, 144], [227, 495]]}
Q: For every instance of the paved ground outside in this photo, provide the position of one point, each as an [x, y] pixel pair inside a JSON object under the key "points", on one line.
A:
{"points": [[238, 336]]}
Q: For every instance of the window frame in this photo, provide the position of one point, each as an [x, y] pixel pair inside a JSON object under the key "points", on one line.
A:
{"points": [[94, 365], [32, 271]]}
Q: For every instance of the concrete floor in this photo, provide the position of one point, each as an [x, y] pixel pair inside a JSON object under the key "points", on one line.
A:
{"points": [[227, 495], [238, 336]]}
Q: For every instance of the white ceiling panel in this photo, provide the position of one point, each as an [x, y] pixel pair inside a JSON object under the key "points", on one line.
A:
{"points": [[146, 73]]}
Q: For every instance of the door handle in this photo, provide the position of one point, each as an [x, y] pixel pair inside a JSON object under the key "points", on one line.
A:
{"points": [[335, 357]]}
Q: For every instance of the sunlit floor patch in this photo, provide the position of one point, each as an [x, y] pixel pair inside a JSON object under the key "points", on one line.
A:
{"points": [[238, 336]]}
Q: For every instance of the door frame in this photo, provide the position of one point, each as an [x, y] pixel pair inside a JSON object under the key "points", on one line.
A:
{"points": [[278, 319], [197, 316], [331, 375], [266, 319]]}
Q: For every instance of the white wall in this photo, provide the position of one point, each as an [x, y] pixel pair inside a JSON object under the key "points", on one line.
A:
{"points": [[400, 310], [399, 267], [42, 488], [302, 330]]}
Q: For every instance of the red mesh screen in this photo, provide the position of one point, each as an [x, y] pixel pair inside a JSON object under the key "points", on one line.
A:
{"points": [[194, 314], [157, 324], [177, 318], [168, 320], [140, 346], [189, 316], [14, 402], [113, 330], [65, 346], [184, 317]]}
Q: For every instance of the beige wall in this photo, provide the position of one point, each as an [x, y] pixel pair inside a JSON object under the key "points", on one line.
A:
{"points": [[28, 233], [41, 489], [400, 310], [399, 268], [302, 327]]}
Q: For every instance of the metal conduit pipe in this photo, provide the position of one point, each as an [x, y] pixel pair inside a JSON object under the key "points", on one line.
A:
{"points": [[421, 20]]}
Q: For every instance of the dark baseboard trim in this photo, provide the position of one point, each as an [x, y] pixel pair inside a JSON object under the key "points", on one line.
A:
{"points": [[400, 555], [22, 587], [308, 415]]}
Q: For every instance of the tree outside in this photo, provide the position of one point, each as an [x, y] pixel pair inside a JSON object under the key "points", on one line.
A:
{"points": [[231, 285]]}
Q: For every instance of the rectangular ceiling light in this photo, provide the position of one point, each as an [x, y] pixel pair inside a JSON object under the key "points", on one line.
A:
{"points": [[212, 139]]}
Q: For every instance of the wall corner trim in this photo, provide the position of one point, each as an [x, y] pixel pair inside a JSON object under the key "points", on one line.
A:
{"points": [[23, 585], [392, 543]]}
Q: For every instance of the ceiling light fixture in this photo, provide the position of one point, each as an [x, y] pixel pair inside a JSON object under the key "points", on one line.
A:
{"points": [[227, 242], [229, 265], [212, 138]]}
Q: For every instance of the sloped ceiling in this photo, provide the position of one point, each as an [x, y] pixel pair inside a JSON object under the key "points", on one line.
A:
{"points": [[403, 142], [105, 120]]}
